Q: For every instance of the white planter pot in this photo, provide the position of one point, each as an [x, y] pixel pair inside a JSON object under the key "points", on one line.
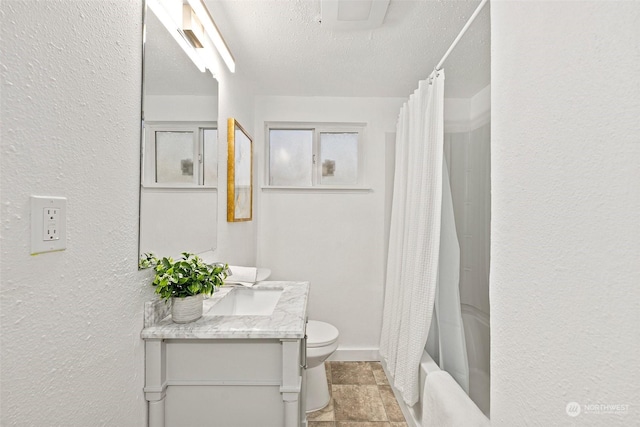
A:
{"points": [[185, 310]]}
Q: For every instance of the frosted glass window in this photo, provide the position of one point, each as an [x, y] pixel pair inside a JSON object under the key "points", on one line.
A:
{"points": [[339, 158], [315, 155], [180, 154], [291, 157], [210, 137], [174, 157]]}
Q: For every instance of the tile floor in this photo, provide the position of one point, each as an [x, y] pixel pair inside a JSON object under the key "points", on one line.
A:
{"points": [[360, 397]]}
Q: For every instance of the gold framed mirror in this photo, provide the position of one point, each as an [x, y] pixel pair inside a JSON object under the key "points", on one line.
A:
{"points": [[239, 173]]}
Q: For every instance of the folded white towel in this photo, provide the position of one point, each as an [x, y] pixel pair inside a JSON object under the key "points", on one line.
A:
{"points": [[242, 275], [445, 404]]}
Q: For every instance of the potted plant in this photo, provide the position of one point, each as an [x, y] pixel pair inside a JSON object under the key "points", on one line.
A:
{"points": [[185, 281]]}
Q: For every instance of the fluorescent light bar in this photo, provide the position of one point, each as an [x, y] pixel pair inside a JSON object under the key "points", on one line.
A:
{"points": [[191, 27], [212, 30], [176, 33], [208, 55]]}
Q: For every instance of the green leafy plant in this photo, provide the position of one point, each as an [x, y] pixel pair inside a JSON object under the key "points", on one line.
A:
{"points": [[184, 277]]}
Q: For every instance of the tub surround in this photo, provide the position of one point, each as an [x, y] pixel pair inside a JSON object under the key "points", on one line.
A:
{"points": [[286, 322]]}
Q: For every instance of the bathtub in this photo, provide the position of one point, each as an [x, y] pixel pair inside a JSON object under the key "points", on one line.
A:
{"points": [[427, 366], [413, 414]]}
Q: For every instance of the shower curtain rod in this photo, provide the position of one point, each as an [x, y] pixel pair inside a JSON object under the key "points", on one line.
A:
{"points": [[464, 30]]}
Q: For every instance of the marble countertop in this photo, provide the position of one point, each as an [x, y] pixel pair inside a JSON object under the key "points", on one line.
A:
{"points": [[286, 321]]}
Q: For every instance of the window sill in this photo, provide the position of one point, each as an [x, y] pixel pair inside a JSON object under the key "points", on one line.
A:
{"points": [[322, 189], [179, 187]]}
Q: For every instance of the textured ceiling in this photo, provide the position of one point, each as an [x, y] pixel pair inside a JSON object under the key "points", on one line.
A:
{"points": [[167, 69], [282, 46]]}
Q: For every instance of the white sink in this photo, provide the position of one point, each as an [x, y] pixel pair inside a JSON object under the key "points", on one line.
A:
{"points": [[247, 302]]}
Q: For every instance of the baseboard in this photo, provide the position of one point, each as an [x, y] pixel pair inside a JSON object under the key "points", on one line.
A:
{"points": [[355, 355]]}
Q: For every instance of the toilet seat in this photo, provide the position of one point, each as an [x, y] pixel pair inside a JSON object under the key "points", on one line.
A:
{"points": [[320, 334]]}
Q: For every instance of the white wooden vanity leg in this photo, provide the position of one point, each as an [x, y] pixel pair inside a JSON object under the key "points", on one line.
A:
{"points": [[155, 380], [291, 414], [156, 413], [291, 382]]}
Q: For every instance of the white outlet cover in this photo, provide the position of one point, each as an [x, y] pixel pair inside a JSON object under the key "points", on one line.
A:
{"points": [[39, 207]]}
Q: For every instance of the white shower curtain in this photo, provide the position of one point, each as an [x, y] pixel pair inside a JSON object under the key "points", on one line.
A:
{"points": [[414, 242]]}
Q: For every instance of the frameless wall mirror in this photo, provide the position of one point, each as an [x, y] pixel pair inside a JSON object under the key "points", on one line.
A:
{"points": [[178, 188], [239, 173]]}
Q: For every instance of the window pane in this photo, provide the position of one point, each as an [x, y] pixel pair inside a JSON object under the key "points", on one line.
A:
{"points": [[210, 156], [339, 158], [290, 157], [174, 157]]}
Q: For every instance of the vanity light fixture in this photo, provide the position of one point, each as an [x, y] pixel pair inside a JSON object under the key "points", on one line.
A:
{"points": [[177, 33], [192, 27], [212, 31]]}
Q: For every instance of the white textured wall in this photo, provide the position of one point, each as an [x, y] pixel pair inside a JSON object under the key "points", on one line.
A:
{"points": [[565, 246], [336, 240], [71, 352], [236, 240]]}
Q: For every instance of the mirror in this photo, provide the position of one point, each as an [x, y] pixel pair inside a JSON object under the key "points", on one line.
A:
{"points": [[178, 188], [239, 173]]}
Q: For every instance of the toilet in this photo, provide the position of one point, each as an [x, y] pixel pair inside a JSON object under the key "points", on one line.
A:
{"points": [[322, 341]]}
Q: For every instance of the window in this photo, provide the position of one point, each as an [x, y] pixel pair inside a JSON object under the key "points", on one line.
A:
{"points": [[180, 154], [304, 155]]}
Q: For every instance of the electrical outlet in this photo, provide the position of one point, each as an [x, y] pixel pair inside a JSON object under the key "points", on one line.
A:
{"points": [[48, 224]]}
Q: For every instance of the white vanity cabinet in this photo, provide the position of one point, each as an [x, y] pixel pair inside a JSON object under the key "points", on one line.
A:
{"points": [[226, 383], [230, 371]]}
